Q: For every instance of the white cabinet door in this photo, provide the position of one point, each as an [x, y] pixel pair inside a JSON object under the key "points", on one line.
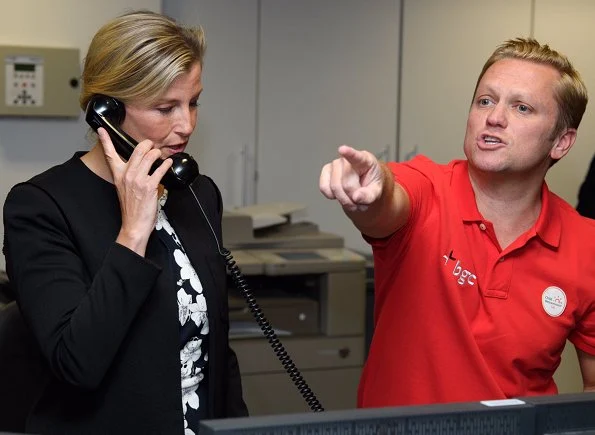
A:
{"points": [[225, 137], [568, 27], [445, 44], [327, 76]]}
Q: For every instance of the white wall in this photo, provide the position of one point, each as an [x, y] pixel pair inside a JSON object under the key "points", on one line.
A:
{"points": [[444, 50], [328, 75], [30, 145], [285, 83], [225, 138]]}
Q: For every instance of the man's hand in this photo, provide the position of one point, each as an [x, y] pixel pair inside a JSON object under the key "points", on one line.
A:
{"points": [[355, 179], [367, 191]]}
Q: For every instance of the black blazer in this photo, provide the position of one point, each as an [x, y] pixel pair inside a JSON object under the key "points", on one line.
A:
{"points": [[106, 319], [586, 196]]}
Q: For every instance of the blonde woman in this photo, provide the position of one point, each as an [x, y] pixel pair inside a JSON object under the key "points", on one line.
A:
{"points": [[119, 279]]}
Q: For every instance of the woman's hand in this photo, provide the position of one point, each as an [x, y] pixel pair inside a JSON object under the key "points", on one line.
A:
{"points": [[137, 190]]}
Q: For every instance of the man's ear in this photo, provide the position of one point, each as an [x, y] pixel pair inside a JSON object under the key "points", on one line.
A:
{"points": [[563, 144]]}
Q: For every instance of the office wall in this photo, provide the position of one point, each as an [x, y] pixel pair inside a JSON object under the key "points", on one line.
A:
{"points": [[29, 145], [441, 63], [285, 83], [224, 142]]}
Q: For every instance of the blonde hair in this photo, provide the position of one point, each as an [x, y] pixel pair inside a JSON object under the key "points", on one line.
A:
{"points": [[138, 55], [570, 92]]}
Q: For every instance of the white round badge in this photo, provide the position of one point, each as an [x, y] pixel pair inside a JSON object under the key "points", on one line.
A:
{"points": [[553, 300]]}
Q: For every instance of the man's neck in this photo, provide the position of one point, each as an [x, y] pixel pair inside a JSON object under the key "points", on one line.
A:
{"points": [[511, 205]]}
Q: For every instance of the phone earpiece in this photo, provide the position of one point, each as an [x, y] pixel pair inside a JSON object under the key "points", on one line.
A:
{"points": [[108, 107], [109, 113]]}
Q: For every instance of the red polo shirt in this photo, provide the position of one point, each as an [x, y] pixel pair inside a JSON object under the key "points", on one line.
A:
{"points": [[459, 319]]}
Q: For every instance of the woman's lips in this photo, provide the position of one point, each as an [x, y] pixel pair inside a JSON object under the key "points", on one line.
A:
{"points": [[174, 149]]}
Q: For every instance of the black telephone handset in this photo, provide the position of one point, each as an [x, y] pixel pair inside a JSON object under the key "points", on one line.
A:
{"points": [[109, 113]]}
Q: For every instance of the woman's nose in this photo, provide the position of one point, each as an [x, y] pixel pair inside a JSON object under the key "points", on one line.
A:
{"points": [[187, 121]]}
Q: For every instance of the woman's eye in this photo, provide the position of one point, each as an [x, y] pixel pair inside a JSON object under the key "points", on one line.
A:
{"points": [[194, 104], [165, 109]]}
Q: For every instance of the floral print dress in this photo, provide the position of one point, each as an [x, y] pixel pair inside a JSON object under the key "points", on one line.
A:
{"points": [[194, 326]]}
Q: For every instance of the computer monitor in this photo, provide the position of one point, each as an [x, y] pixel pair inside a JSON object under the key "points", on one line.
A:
{"points": [[564, 414], [510, 417]]}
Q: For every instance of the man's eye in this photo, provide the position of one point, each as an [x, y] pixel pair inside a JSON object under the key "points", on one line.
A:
{"points": [[194, 104], [484, 102]]}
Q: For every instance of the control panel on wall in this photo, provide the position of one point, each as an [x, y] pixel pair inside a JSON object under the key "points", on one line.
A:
{"points": [[39, 81], [24, 81]]}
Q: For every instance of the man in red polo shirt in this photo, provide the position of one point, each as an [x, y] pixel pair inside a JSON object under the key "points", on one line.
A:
{"points": [[481, 273]]}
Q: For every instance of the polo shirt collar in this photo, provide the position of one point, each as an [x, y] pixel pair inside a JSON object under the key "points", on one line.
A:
{"points": [[548, 226]]}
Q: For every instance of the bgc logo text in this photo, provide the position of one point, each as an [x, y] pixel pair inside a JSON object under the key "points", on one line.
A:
{"points": [[462, 275]]}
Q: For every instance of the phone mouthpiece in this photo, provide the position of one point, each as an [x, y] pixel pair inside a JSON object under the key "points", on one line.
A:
{"points": [[182, 173]]}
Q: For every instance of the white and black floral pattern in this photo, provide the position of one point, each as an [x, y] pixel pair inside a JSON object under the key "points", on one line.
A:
{"points": [[194, 325]]}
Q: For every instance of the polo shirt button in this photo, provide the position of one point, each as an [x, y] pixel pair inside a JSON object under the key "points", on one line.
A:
{"points": [[482, 226]]}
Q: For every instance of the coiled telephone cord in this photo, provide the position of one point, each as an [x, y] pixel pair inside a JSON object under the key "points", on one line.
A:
{"points": [[241, 284], [270, 334]]}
